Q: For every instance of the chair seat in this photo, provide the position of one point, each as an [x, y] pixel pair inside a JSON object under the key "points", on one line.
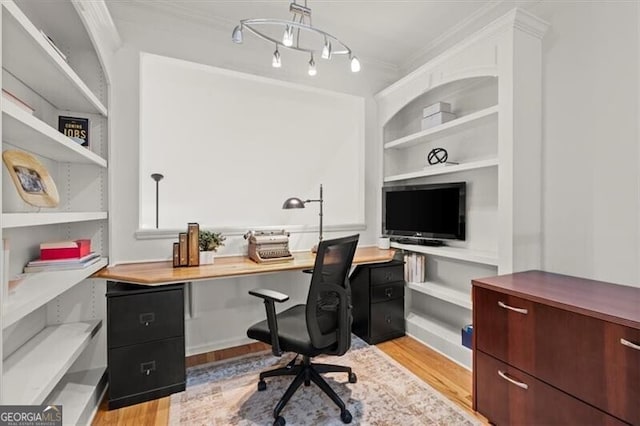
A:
{"points": [[292, 332]]}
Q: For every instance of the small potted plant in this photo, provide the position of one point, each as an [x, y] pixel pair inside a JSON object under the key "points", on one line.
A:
{"points": [[209, 243]]}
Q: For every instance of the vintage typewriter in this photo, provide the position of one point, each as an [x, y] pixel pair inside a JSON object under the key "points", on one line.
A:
{"points": [[268, 246]]}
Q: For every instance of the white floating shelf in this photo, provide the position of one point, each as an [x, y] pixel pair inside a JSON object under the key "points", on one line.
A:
{"points": [[25, 131], [40, 67], [41, 287], [444, 169], [442, 292], [32, 372], [475, 256], [17, 220], [459, 124], [444, 338], [79, 393]]}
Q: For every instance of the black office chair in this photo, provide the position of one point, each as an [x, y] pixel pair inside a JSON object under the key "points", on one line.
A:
{"points": [[322, 326]]}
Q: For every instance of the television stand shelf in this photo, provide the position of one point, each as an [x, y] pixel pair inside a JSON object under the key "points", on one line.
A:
{"points": [[418, 242], [475, 256]]}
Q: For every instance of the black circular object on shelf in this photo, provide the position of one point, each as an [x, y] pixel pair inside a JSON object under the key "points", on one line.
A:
{"points": [[437, 156]]}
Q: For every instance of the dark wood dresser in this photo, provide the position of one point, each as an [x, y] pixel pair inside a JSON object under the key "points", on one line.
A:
{"points": [[554, 349], [377, 294]]}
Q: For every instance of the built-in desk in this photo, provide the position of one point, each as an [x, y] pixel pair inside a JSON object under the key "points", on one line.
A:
{"points": [[145, 331], [162, 273]]}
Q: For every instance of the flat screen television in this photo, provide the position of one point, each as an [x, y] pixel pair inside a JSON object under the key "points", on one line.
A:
{"points": [[434, 211]]}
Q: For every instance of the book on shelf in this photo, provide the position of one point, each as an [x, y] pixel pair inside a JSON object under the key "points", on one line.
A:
{"points": [[415, 266], [65, 249], [75, 128], [10, 97], [43, 266]]}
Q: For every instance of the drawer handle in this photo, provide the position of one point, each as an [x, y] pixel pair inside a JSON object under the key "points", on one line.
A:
{"points": [[389, 292], [147, 318], [510, 380], [387, 318], [630, 344], [147, 367], [511, 308]]}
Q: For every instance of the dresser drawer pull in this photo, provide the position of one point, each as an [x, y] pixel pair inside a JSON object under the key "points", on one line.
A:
{"points": [[510, 380], [147, 367], [388, 292], [629, 344], [147, 318], [511, 308]]}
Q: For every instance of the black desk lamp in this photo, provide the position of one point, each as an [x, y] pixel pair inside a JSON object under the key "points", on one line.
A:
{"points": [[297, 203]]}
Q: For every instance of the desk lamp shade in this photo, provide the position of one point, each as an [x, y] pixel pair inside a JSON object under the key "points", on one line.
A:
{"points": [[293, 203]]}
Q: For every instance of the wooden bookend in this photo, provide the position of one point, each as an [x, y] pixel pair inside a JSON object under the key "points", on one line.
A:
{"points": [[176, 255], [193, 232], [183, 249]]}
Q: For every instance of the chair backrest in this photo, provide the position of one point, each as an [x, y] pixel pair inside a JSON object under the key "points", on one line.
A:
{"points": [[328, 310]]}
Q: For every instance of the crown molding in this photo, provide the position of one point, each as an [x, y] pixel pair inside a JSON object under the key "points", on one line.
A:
{"points": [[452, 33]]}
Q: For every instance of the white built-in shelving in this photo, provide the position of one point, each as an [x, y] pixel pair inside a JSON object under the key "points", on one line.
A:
{"points": [[444, 169], [440, 335], [34, 370], [38, 288], [24, 131], [460, 124], [37, 64], [442, 292], [79, 394], [50, 319], [498, 130], [19, 220], [458, 253]]}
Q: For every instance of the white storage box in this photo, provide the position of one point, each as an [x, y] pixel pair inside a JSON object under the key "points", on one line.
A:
{"points": [[436, 108], [436, 119]]}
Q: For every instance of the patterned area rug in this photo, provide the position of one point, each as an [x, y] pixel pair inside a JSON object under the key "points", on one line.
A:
{"points": [[225, 393]]}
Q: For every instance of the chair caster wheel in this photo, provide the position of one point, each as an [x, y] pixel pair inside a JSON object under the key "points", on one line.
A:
{"points": [[279, 421], [345, 416], [353, 378], [262, 385]]}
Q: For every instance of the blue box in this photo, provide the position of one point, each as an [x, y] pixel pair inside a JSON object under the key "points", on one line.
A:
{"points": [[467, 333]]}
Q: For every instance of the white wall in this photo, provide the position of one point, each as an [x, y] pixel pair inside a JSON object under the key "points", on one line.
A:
{"points": [[590, 140], [223, 309]]}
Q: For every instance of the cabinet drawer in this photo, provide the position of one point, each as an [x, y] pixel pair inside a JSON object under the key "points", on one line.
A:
{"points": [[387, 274], [578, 354], [145, 317], [146, 367], [508, 396], [381, 293], [387, 319]]}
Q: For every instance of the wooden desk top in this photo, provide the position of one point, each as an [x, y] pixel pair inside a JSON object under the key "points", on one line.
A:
{"points": [[162, 273]]}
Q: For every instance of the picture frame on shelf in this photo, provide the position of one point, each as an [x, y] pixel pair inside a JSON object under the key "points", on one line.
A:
{"points": [[75, 128], [31, 179]]}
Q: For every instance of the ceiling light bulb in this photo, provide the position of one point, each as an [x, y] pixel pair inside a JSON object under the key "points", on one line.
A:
{"points": [[312, 67], [287, 37], [326, 50], [355, 64], [277, 62], [237, 34]]}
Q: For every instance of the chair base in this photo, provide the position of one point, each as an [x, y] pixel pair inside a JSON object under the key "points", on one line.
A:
{"points": [[307, 372]]}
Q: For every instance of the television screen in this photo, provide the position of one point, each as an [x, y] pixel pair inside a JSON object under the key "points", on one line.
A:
{"points": [[425, 211]]}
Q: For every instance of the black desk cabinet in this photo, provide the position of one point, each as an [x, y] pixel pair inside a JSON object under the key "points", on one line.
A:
{"points": [[145, 342], [377, 292]]}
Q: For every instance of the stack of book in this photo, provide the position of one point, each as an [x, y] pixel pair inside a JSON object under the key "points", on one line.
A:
{"points": [[63, 255], [415, 266]]}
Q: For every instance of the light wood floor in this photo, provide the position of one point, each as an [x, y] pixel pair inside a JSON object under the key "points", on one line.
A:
{"points": [[445, 376]]}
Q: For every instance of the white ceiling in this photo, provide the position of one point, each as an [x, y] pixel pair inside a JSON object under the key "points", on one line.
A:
{"points": [[393, 33]]}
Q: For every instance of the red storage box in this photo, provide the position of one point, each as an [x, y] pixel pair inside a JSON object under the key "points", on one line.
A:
{"points": [[65, 249]]}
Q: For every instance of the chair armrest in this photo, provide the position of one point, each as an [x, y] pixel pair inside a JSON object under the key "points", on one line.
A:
{"points": [[270, 297], [266, 294], [344, 325]]}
